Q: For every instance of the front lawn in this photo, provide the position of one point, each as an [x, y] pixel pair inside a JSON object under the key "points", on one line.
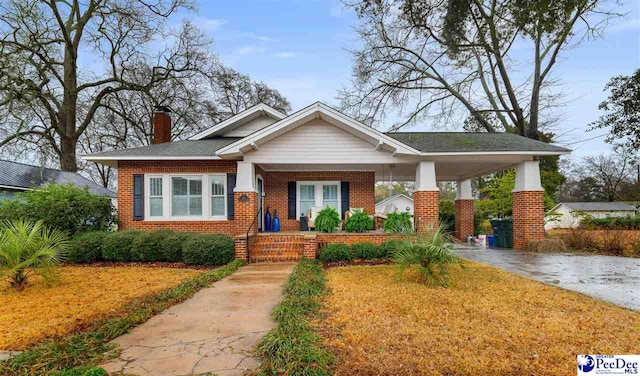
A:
{"points": [[82, 296], [489, 322]]}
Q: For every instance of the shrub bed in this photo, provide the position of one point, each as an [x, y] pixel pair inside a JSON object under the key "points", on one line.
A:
{"points": [[151, 246], [365, 251], [292, 348], [611, 223], [335, 252]]}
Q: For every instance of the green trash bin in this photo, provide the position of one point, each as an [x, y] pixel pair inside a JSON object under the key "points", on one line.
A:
{"points": [[502, 233]]}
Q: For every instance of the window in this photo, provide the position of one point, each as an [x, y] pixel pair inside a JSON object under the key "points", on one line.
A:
{"points": [[186, 200], [318, 194], [218, 197], [307, 198], [156, 201]]}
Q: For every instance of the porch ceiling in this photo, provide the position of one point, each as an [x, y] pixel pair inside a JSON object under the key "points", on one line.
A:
{"points": [[447, 169]]}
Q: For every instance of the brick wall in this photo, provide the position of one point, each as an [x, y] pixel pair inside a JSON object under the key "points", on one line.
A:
{"points": [[528, 217], [352, 238], [126, 170], [361, 191], [277, 247], [425, 210], [464, 219]]}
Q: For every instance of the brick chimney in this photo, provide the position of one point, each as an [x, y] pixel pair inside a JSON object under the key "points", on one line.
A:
{"points": [[161, 125]]}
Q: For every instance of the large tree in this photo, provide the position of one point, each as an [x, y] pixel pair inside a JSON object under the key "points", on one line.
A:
{"points": [[491, 60], [60, 61], [622, 111]]}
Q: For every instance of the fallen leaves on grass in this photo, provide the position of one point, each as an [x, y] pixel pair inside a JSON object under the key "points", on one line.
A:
{"points": [[83, 295], [489, 323]]}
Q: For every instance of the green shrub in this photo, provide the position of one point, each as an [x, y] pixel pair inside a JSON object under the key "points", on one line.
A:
{"points": [[118, 246], [171, 248], [208, 249], [447, 214], [82, 371], [398, 222], [327, 220], [335, 252], [611, 223], [431, 256], [389, 248], [87, 247], [61, 206], [365, 251], [359, 221], [147, 245]]}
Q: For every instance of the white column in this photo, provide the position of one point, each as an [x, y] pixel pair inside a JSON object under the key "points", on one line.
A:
{"points": [[426, 176], [463, 191], [245, 178], [528, 177]]}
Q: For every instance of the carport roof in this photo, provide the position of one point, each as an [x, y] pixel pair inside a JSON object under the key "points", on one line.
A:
{"points": [[461, 142]]}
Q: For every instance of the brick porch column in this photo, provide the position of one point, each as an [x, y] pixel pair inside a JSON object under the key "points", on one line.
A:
{"points": [[425, 198], [245, 199], [464, 210], [528, 205]]}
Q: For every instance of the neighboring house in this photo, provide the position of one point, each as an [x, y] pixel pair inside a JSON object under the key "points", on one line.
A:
{"points": [[18, 177], [571, 213], [395, 203], [222, 179]]}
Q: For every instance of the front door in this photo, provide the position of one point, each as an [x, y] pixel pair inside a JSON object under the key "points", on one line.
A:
{"points": [[260, 186]]}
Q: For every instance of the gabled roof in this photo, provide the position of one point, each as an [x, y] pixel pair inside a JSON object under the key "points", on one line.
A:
{"points": [[19, 176], [463, 142], [188, 149], [391, 198], [317, 110], [598, 206], [239, 119]]}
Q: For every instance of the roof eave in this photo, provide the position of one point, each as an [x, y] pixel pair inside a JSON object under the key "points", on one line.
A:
{"points": [[265, 109]]}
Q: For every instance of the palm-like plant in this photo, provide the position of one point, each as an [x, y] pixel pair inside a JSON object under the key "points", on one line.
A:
{"points": [[431, 255], [30, 248]]}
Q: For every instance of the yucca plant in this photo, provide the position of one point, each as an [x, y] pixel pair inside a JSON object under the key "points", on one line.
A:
{"points": [[431, 255], [30, 248]]}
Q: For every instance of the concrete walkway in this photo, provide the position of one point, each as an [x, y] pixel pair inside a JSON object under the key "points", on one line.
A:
{"points": [[214, 331], [613, 279]]}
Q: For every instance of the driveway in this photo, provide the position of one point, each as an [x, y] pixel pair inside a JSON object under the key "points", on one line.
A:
{"points": [[613, 279], [213, 332]]}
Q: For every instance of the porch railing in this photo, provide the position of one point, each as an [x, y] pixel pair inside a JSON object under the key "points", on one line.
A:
{"points": [[255, 218]]}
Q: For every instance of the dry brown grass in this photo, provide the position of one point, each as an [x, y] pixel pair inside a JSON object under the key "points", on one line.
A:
{"points": [[83, 295], [490, 323]]}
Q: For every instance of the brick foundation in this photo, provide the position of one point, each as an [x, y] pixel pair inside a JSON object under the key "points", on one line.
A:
{"points": [[310, 246], [361, 190], [425, 210], [464, 219], [528, 217]]}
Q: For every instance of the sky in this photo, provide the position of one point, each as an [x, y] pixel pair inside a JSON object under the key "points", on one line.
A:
{"points": [[301, 48]]}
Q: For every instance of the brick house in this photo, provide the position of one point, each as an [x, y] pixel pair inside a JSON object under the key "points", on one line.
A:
{"points": [[220, 180]]}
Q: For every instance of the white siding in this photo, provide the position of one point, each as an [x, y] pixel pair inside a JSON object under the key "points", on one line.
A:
{"points": [[401, 203], [318, 142], [251, 126], [569, 220]]}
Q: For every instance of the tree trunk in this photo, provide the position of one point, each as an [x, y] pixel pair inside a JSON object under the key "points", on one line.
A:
{"points": [[68, 160], [68, 114]]}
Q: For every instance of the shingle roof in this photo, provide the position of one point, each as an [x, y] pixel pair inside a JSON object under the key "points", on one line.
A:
{"points": [[436, 142], [19, 175], [187, 148], [599, 206]]}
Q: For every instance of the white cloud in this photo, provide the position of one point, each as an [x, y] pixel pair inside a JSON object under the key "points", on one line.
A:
{"points": [[250, 50], [263, 38], [286, 55], [209, 24]]}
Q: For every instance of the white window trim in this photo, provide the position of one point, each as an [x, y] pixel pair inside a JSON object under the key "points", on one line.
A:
{"points": [[167, 197], [318, 193]]}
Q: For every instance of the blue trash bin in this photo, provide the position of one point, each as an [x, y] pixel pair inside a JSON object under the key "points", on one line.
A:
{"points": [[490, 240]]}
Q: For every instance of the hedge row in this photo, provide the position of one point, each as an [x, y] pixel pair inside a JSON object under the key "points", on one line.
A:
{"points": [[611, 223], [364, 251], [151, 246]]}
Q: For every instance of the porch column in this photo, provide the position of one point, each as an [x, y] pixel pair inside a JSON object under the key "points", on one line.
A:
{"points": [[245, 199], [425, 198], [528, 205], [464, 210]]}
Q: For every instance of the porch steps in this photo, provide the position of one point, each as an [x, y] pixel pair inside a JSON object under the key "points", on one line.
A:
{"points": [[277, 248]]}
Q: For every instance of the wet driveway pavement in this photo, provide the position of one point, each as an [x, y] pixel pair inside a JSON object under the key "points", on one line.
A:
{"points": [[609, 278]]}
